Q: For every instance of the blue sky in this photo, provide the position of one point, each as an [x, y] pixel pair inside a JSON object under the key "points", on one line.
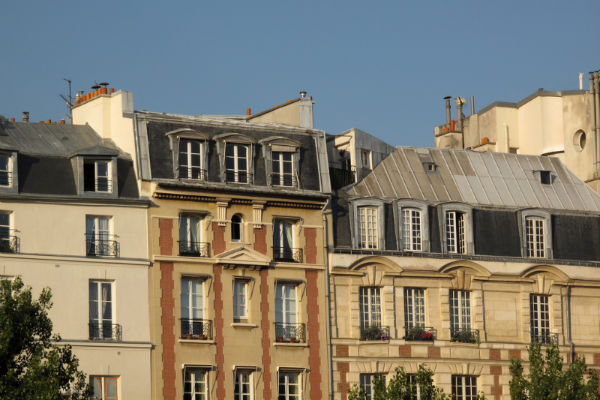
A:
{"points": [[382, 66]]}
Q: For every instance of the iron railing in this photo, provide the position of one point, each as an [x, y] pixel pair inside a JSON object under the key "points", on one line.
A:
{"points": [[6, 178], [195, 173], [105, 331], [375, 332], [194, 249], [545, 338], [99, 185], [238, 177], [196, 329], [101, 246], [289, 333], [287, 254], [341, 177], [9, 244], [464, 335], [287, 180], [420, 333]]}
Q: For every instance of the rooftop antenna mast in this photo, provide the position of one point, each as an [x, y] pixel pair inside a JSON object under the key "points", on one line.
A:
{"points": [[68, 100]]}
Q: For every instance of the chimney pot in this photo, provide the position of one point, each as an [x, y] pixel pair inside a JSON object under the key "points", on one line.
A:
{"points": [[12, 119], [303, 94], [25, 116], [248, 111]]}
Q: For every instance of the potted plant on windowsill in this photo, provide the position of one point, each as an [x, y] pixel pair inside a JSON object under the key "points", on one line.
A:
{"points": [[293, 340], [202, 336], [188, 336]]}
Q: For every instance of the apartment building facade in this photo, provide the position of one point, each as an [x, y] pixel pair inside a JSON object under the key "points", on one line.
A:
{"points": [[71, 219], [458, 260], [237, 287]]}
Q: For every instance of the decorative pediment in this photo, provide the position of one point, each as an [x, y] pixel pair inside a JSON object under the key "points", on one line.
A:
{"points": [[243, 257]]}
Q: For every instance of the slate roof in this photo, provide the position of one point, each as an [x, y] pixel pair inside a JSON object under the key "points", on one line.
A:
{"points": [[476, 178]]}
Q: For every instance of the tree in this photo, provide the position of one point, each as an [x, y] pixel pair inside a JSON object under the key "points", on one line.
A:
{"points": [[32, 363], [550, 380]]}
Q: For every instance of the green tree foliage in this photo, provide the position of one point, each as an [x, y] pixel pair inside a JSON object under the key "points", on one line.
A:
{"points": [[32, 365], [549, 379]]}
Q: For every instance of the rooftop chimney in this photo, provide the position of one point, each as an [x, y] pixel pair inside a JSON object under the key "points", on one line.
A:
{"points": [[248, 111], [448, 116], [25, 116], [303, 94]]}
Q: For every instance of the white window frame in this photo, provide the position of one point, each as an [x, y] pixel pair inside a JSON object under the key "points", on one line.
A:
{"points": [[98, 235], [284, 382], [413, 236], [236, 171], [240, 299], [277, 157], [532, 245], [368, 163], [451, 232], [6, 231], [99, 303], [103, 384], [460, 310], [279, 228], [186, 233], [414, 307], [97, 176], [539, 315], [366, 382], [185, 159], [466, 383], [368, 227], [239, 392], [358, 225], [8, 172], [284, 314], [370, 307], [195, 375], [188, 286]]}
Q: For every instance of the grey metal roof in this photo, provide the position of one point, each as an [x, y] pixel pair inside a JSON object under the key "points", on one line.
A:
{"points": [[477, 178], [53, 139]]}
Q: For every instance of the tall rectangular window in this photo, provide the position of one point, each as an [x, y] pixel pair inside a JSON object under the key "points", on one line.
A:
{"points": [[534, 233], [8, 242], [195, 385], [193, 324], [191, 160], [283, 241], [460, 310], [96, 176], [240, 300], [464, 387], [365, 159], [104, 387], [455, 232], [413, 388], [5, 170], [414, 307], [367, 383], [411, 229], [283, 168], [190, 236], [286, 312], [289, 386], [243, 385], [99, 241], [101, 311], [368, 227], [236, 163], [539, 315], [370, 307]]}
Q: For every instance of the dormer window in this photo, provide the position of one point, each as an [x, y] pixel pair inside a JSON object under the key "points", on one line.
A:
{"points": [[236, 163], [283, 168], [282, 161], [191, 159], [545, 177], [96, 176], [536, 234], [429, 167], [5, 170]]}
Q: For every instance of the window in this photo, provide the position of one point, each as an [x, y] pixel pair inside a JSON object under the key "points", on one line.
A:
{"points": [[240, 300], [8, 242], [195, 385], [104, 387], [283, 241], [96, 176], [414, 307], [289, 386], [5, 170], [414, 390], [283, 168], [368, 383], [191, 159], [411, 229], [545, 177], [365, 159], [236, 228], [455, 232], [99, 241], [370, 311], [460, 311], [236, 163], [464, 387], [368, 226], [101, 312], [534, 234], [540, 318], [190, 236], [287, 328], [243, 385], [193, 324]]}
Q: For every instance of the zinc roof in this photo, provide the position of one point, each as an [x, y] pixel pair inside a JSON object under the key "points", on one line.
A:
{"points": [[476, 178]]}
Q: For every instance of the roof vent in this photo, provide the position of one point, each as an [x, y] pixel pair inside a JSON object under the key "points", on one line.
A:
{"points": [[429, 166], [546, 177]]}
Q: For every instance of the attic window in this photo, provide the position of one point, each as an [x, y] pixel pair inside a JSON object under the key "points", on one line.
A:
{"points": [[545, 177], [429, 166], [96, 176]]}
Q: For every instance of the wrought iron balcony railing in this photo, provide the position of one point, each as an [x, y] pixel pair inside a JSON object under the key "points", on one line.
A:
{"points": [[375, 332], [238, 177], [9, 244], [289, 333], [195, 173], [6, 178], [286, 180], [464, 335], [105, 331], [101, 246], [98, 185], [287, 254], [545, 338], [196, 329], [420, 333], [194, 249]]}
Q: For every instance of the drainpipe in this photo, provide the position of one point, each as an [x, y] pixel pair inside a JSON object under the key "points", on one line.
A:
{"points": [[328, 304], [596, 158], [597, 116], [569, 324]]}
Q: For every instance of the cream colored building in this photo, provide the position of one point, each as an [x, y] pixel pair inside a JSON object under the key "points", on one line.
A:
{"points": [[71, 219], [458, 260], [562, 124]]}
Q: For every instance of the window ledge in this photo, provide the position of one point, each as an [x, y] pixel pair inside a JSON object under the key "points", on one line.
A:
{"points": [[196, 341], [287, 344], [243, 325]]}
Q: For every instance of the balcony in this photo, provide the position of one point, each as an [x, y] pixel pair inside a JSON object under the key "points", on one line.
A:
{"points": [[105, 246], [545, 338], [374, 333], [283, 180], [105, 331], [287, 254], [194, 249], [289, 333], [9, 244], [194, 173], [419, 333], [464, 335], [196, 329]]}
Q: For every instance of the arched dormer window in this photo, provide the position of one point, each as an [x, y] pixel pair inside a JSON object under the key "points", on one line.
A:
{"points": [[236, 228], [282, 160], [368, 215], [536, 234], [189, 151], [236, 154], [457, 228]]}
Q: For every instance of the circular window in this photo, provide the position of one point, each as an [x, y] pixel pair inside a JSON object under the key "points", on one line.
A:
{"points": [[579, 140]]}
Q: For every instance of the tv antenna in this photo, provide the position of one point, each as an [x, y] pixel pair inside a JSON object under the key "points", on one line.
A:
{"points": [[68, 100]]}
